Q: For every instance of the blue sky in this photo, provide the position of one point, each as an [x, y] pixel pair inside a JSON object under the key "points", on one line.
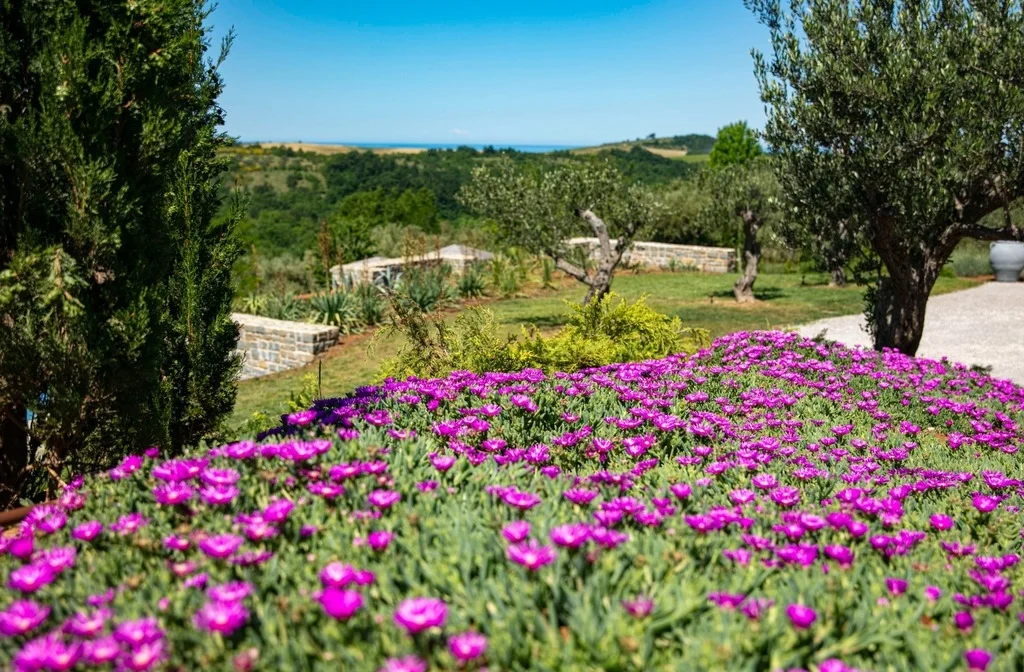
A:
{"points": [[488, 71]]}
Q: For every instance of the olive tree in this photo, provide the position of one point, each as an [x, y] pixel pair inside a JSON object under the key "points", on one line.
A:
{"points": [[903, 124], [540, 210]]}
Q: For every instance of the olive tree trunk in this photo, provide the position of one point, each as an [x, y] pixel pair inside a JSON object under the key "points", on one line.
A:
{"points": [[744, 287], [837, 278]]}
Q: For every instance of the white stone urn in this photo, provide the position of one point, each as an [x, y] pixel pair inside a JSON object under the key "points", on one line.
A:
{"points": [[1007, 259]]}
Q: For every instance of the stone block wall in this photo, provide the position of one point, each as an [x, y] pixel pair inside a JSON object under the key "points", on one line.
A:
{"points": [[268, 345], [660, 255]]}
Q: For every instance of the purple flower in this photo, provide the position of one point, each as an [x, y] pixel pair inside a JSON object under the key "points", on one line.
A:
{"points": [[87, 625], [101, 651], [379, 540], [467, 645], [681, 490], [236, 591], [977, 659], [640, 607], [138, 632], [570, 536], [340, 604], [531, 555], [220, 476], [516, 531], [985, 504], [801, 616], [222, 617], [22, 617], [896, 586], [278, 510], [941, 522], [129, 524], [337, 575], [221, 545], [523, 501], [932, 593], [963, 620], [443, 462], [173, 494], [384, 499], [30, 578], [143, 657], [764, 481], [218, 495], [417, 614], [404, 664]]}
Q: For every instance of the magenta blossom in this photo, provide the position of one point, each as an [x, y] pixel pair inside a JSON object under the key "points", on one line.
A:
{"points": [[467, 645], [531, 555], [337, 575], [941, 522], [220, 546], [222, 617], [640, 607], [30, 578], [977, 659], [341, 604], [379, 540], [384, 499], [516, 531], [417, 614], [801, 616], [570, 536], [404, 664], [22, 617]]}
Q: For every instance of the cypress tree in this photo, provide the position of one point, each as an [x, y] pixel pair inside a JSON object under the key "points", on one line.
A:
{"points": [[114, 276]]}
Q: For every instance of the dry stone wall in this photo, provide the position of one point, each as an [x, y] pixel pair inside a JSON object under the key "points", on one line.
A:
{"points": [[268, 345], [661, 255]]}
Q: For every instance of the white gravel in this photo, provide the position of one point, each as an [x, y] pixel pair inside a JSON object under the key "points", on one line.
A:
{"points": [[982, 325]]}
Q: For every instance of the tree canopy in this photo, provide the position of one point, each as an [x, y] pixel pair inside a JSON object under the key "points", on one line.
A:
{"points": [[900, 127]]}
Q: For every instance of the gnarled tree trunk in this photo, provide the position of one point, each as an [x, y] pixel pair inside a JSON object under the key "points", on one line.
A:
{"points": [[744, 287], [837, 278]]}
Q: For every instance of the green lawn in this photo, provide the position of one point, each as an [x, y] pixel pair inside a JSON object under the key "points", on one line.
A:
{"points": [[700, 300]]}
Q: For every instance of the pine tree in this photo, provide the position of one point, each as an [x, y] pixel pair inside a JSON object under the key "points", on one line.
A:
{"points": [[113, 275]]}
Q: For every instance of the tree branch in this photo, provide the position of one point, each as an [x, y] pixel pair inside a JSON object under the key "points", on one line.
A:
{"points": [[600, 230], [571, 269], [980, 232]]}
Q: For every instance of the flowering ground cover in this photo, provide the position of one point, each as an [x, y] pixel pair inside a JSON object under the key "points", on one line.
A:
{"points": [[770, 503]]}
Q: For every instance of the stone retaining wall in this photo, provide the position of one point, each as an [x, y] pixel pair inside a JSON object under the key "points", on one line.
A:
{"points": [[659, 255], [269, 345]]}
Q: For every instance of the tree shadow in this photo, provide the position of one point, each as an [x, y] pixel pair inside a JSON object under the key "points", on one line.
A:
{"points": [[761, 294]]}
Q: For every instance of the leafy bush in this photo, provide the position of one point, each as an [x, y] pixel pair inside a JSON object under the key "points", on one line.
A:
{"points": [[337, 309], [505, 278], [970, 259], [285, 307], [610, 330], [770, 503], [471, 283]]}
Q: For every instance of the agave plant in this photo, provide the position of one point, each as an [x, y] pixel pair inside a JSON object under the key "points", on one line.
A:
{"points": [[339, 309], [253, 304], [284, 307], [427, 286], [471, 283], [372, 304]]}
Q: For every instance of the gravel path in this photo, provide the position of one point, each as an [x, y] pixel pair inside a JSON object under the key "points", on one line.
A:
{"points": [[982, 325]]}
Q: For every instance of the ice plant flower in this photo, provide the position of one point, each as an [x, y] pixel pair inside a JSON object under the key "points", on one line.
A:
{"points": [[221, 546], [531, 555], [404, 664], [379, 540], [417, 614], [467, 646], [340, 604], [640, 607], [30, 578], [337, 575], [384, 499], [516, 531], [977, 659], [222, 617], [21, 617], [801, 616], [570, 536]]}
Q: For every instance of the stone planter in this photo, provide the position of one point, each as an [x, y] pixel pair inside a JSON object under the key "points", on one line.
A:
{"points": [[1007, 260]]}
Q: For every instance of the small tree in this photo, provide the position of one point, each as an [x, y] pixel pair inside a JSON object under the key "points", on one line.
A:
{"points": [[541, 211], [903, 123], [735, 144], [746, 192]]}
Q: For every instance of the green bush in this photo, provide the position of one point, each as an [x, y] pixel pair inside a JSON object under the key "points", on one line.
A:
{"points": [[610, 330], [284, 307], [603, 332], [970, 259], [372, 305]]}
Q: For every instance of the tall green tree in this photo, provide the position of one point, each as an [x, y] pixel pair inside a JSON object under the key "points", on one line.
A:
{"points": [[540, 210], [735, 144], [114, 278], [900, 126]]}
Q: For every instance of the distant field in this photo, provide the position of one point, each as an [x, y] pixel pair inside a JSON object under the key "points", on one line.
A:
{"points": [[680, 154]]}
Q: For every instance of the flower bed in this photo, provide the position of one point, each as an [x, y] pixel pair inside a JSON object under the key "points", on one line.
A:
{"points": [[769, 503]]}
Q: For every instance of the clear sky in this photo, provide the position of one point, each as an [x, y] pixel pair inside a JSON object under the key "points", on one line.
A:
{"points": [[567, 72]]}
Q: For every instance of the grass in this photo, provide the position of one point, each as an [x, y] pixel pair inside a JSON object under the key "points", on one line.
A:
{"points": [[700, 300]]}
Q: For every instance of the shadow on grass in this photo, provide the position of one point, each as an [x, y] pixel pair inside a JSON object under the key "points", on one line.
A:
{"points": [[761, 294]]}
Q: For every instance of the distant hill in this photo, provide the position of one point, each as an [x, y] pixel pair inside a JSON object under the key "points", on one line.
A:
{"points": [[693, 148]]}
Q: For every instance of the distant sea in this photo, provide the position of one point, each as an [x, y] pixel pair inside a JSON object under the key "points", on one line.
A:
{"points": [[539, 149]]}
